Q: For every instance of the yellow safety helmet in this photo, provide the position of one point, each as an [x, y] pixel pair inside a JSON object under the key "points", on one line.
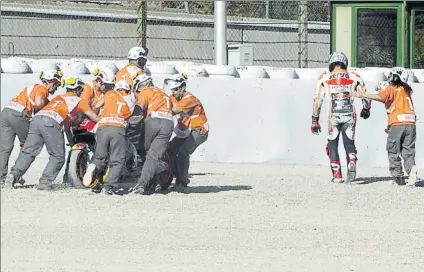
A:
{"points": [[73, 83]]}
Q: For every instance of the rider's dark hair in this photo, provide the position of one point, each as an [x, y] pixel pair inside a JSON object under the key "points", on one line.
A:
{"points": [[338, 63]]}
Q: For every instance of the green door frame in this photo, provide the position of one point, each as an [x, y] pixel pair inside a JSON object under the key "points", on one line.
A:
{"points": [[400, 45], [412, 37]]}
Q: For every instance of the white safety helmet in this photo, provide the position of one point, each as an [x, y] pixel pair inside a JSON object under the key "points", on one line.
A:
{"points": [[337, 57], [106, 75], [51, 76], [137, 52], [401, 72], [142, 80], [175, 81], [122, 85], [175, 85]]}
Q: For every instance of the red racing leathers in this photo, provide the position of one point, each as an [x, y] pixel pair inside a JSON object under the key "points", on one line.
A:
{"points": [[337, 86]]}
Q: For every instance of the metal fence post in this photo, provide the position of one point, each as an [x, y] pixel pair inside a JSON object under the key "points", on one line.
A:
{"points": [[267, 9], [142, 23], [220, 25], [303, 33]]}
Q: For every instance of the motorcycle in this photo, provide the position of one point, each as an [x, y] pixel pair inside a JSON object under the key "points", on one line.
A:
{"points": [[82, 138]]}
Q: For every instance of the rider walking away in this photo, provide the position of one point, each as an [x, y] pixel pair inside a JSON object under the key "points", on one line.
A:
{"points": [[338, 85]]}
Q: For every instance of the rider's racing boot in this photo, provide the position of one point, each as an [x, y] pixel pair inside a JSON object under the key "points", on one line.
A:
{"points": [[337, 172], [351, 167]]}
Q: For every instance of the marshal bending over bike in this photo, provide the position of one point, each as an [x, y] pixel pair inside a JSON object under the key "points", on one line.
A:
{"points": [[110, 137], [117, 105], [338, 85]]}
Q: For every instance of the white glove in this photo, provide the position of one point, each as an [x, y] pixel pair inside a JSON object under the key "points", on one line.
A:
{"points": [[381, 86]]}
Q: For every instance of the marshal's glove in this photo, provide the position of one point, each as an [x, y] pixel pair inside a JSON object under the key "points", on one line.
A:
{"points": [[365, 113], [315, 127]]}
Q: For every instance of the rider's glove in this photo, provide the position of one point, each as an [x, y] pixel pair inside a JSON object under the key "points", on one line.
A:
{"points": [[365, 113], [315, 127]]}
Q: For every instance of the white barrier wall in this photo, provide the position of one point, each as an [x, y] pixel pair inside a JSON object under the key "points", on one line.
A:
{"points": [[267, 121]]}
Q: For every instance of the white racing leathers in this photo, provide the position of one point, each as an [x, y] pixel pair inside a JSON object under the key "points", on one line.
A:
{"points": [[337, 86]]}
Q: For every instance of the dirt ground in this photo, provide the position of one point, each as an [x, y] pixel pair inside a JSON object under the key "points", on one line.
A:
{"points": [[237, 217]]}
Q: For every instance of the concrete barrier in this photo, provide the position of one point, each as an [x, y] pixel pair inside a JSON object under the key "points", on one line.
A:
{"points": [[281, 73], [221, 71], [252, 72], [14, 66], [39, 65], [161, 68], [267, 121], [17, 65], [74, 67]]}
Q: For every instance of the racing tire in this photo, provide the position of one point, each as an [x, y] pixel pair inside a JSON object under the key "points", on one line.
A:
{"points": [[78, 162]]}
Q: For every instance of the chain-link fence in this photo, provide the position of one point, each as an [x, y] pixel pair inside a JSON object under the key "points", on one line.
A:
{"points": [[377, 37], [419, 40], [282, 33], [67, 29]]}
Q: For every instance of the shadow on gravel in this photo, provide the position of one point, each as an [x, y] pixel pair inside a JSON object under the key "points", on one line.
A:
{"points": [[217, 189], [205, 174], [197, 189], [201, 189], [420, 183], [368, 180], [56, 187], [26, 186]]}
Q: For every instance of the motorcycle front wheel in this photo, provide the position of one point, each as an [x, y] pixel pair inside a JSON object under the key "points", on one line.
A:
{"points": [[78, 162]]}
